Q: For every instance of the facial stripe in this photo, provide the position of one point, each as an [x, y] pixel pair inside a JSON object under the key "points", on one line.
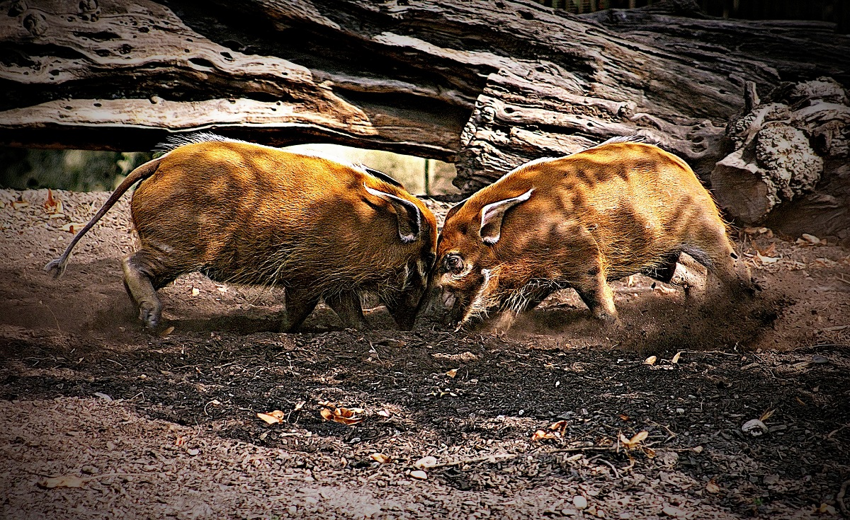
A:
{"points": [[483, 298]]}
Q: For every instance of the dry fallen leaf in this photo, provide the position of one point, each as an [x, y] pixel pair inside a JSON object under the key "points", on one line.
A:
{"points": [[342, 415], [766, 259], [770, 251], [541, 434], [676, 358], [380, 457], [825, 509], [66, 481], [425, 462], [712, 487], [299, 405], [640, 436], [20, 204], [72, 227], [635, 440], [664, 290], [53, 206], [268, 418], [650, 360], [560, 426], [166, 332], [624, 417], [452, 373]]}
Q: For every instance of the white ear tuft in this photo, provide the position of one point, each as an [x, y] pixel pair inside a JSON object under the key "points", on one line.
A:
{"points": [[492, 215], [408, 215]]}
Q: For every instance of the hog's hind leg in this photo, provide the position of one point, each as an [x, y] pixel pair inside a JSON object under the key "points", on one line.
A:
{"points": [[722, 261], [142, 277], [595, 292], [683, 270]]}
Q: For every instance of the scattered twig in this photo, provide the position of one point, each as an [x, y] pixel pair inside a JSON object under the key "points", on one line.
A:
{"points": [[599, 457], [672, 435], [719, 352], [833, 432], [117, 363], [840, 497]]}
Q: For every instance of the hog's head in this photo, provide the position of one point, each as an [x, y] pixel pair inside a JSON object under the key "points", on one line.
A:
{"points": [[417, 233], [472, 267]]}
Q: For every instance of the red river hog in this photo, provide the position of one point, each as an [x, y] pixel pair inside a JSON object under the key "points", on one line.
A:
{"points": [[249, 214], [580, 221]]}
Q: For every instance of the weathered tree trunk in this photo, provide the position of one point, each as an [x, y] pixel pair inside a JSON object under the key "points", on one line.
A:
{"points": [[487, 85], [775, 157]]}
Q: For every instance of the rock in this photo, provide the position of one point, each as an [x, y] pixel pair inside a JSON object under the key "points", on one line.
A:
{"points": [[754, 427], [579, 502]]}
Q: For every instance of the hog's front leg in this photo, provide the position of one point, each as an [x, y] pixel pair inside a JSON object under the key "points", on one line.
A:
{"points": [[346, 305]]}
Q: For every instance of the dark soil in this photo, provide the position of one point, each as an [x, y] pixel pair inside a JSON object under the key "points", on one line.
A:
{"points": [[165, 425]]}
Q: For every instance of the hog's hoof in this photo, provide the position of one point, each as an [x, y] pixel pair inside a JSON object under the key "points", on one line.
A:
{"points": [[609, 318], [150, 315]]}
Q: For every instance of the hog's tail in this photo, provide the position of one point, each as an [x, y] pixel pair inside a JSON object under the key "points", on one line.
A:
{"points": [[57, 266]]}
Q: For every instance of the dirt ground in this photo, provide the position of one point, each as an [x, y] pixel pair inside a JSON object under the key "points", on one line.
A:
{"points": [[101, 419]]}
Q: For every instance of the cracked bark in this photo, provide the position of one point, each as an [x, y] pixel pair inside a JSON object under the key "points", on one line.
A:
{"points": [[487, 85]]}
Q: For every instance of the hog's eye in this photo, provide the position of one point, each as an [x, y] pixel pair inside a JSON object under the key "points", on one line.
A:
{"points": [[454, 263]]}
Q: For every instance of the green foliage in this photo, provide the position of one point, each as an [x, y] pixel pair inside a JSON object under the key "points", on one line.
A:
{"points": [[77, 170], [406, 169], [82, 170]]}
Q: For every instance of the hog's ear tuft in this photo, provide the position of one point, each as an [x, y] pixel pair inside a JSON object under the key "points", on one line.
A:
{"points": [[408, 215], [492, 215]]}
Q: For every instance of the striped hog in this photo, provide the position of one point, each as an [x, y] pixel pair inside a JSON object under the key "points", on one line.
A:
{"points": [[579, 222], [250, 214]]}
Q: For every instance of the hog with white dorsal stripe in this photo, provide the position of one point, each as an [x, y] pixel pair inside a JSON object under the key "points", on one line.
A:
{"points": [[579, 222], [251, 214]]}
